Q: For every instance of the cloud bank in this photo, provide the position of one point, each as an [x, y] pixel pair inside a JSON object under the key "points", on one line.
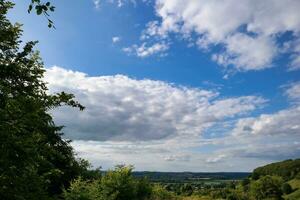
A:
{"points": [[121, 108], [138, 121]]}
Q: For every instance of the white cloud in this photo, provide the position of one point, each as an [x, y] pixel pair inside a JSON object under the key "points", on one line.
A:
{"points": [[145, 50], [178, 157], [124, 109], [121, 3], [116, 39], [284, 122], [248, 31], [137, 121], [295, 63], [247, 53], [96, 4], [295, 57], [293, 92], [216, 158]]}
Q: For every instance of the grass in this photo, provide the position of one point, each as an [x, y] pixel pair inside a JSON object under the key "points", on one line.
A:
{"points": [[295, 183], [293, 196], [196, 198]]}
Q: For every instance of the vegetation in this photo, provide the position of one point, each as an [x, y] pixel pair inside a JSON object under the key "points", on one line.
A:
{"points": [[42, 9], [36, 163], [191, 177], [287, 169], [120, 184]]}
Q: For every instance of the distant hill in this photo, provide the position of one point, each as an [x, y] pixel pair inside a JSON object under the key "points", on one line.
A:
{"points": [[287, 169], [190, 176]]}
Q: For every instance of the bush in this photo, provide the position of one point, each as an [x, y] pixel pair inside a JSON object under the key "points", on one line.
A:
{"points": [[159, 193], [80, 190], [267, 187], [286, 188], [117, 184]]}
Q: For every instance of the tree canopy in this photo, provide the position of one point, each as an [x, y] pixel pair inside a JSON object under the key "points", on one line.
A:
{"points": [[35, 162]]}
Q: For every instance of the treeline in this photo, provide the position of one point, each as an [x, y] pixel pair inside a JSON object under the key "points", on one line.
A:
{"points": [[120, 184], [287, 169], [183, 177], [276, 181]]}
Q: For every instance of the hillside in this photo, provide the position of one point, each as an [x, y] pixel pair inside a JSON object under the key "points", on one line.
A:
{"points": [[287, 169]]}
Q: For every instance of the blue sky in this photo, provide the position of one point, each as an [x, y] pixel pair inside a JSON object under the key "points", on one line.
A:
{"points": [[233, 65]]}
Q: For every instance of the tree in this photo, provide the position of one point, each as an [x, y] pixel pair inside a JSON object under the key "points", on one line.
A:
{"points": [[35, 162], [267, 187], [286, 188], [287, 169], [187, 189], [159, 193], [117, 184], [255, 175], [81, 190]]}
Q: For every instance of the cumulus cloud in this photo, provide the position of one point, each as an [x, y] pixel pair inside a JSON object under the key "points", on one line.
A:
{"points": [[284, 122], [247, 53], [124, 109], [145, 50], [216, 158], [97, 4], [116, 39], [266, 137], [248, 31], [178, 157], [295, 57], [137, 121], [293, 92], [121, 3], [278, 150]]}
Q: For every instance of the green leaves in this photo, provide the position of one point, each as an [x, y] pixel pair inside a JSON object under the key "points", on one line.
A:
{"points": [[35, 161], [117, 184], [42, 8], [30, 8]]}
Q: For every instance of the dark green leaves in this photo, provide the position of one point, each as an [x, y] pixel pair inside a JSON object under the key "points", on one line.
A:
{"points": [[42, 8], [35, 161]]}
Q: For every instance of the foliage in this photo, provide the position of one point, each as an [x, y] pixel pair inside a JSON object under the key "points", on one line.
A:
{"points": [[42, 9], [266, 187], [295, 195], [159, 193], [286, 188], [287, 169], [117, 184], [295, 183], [35, 162], [80, 190], [184, 177]]}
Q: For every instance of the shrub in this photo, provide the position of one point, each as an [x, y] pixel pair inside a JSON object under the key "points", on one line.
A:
{"points": [[266, 187], [286, 188], [80, 190], [159, 193], [117, 184]]}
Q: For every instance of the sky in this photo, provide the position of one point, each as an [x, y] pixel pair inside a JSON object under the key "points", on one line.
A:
{"points": [[172, 85]]}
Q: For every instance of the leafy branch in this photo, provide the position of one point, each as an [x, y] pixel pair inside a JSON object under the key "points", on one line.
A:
{"points": [[42, 9]]}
